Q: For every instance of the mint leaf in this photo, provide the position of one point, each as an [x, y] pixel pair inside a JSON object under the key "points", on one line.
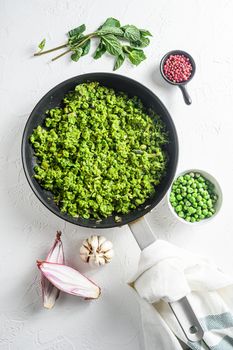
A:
{"points": [[110, 30], [86, 47], [136, 56], [42, 44], [132, 33], [111, 22], [101, 49], [122, 42], [75, 40], [143, 42], [75, 35], [77, 31], [77, 54], [119, 62], [113, 46], [145, 32]]}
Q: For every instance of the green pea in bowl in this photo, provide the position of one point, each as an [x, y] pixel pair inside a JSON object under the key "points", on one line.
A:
{"points": [[195, 197]]}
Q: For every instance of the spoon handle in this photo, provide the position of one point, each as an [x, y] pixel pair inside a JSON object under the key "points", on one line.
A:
{"points": [[187, 98]]}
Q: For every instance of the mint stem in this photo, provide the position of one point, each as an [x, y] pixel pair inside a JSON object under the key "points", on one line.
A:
{"points": [[125, 48], [51, 50], [87, 37], [62, 54]]}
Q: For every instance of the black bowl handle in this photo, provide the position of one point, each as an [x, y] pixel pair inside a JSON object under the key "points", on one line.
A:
{"points": [[187, 98]]}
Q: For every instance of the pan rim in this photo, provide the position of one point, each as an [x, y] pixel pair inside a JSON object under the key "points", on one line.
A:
{"points": [[88, 222]]}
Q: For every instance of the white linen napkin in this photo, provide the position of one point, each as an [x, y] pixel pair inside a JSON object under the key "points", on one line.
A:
{"points": [[167, 273]]}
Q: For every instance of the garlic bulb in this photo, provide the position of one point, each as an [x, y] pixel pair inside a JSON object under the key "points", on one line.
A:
{"points": [[96, 250]]}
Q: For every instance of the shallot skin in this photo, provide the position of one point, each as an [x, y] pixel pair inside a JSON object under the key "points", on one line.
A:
{"points": [[56, 255], [50, 293], [69, 280]]}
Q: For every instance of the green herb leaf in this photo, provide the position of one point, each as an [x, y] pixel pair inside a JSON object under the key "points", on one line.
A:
{"points": [[132, 33], [77, 54], [136, 56], [113, 45], [119, 62], [143, 42], [75, 40], [75, 36], [101, 49], [111, 22], [110, 30], [86, 47], [42, 44], [77, 31], [145, 32], [112, 40]]}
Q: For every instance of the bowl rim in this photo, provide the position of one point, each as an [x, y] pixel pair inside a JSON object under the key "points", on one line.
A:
{"points": [[205, 174]]}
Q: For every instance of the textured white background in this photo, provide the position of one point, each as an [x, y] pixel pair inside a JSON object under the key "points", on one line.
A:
{"points": [[203, 28]]}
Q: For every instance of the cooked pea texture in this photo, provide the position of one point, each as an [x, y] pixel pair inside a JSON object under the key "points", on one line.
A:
{"points": [[193, 197], [101, 153]]}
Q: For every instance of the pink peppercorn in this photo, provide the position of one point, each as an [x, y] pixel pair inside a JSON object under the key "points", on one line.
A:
{"points": [[177, 68]]}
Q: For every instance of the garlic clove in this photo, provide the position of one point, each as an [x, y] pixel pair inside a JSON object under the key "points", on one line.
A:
{"points": [[102, 239], [96, 250], [94, 242], [109, 254], [85, 242], [107, 245], [84, 253], [93, 261], [101, 261], [98, 260]]}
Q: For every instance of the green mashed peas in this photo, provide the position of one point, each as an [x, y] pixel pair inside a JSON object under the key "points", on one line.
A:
{"points": [[101, 153]]}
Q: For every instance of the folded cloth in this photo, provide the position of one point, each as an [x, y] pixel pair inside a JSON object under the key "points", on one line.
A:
{"points": [[167, 273]]}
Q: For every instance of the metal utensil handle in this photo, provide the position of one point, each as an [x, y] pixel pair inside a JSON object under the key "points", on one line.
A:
{"points": [[181, 308], [187, 319]]}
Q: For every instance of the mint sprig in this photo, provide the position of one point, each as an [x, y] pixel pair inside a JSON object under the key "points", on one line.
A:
{"points": [[122, 42]]}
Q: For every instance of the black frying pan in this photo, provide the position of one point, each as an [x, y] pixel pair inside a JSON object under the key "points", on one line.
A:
{"points": [[54, 99]]}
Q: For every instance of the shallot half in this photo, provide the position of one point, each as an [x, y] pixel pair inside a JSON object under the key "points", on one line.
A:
{"points": [[56, 255], [69, 280]]}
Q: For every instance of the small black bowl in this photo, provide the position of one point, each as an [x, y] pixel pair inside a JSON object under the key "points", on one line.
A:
{"points": [[182, 85]]}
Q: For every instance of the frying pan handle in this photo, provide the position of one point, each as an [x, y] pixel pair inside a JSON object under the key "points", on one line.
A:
{"points": [[142, 232], [181, 308], [187, 319], [187, 98]]}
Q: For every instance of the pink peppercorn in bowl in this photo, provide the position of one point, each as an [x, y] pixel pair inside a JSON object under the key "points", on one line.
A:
{"points": [[177, 67]]}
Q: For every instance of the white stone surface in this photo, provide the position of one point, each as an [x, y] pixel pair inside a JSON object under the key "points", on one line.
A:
{"points": [[203, 28]]}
